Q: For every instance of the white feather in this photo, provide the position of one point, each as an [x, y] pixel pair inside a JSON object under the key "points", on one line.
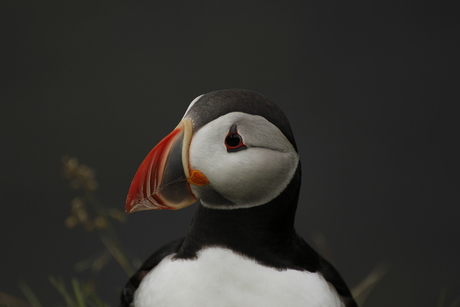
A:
{"points": [[220, 277], [248, 177]]}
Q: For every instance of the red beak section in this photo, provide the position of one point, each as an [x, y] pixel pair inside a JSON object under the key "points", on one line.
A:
{"points": [[161, 180]]}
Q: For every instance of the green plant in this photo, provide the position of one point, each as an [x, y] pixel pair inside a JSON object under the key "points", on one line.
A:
{"points": [[90, 214]]}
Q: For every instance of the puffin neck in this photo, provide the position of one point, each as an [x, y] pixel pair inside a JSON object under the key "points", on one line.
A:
{"points": [[264, 233]]}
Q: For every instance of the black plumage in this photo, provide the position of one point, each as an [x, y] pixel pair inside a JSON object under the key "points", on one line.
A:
{"points": [[264, 233]]}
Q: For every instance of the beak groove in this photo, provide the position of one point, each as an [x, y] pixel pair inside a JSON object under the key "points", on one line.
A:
{"points": [[161, 180]]}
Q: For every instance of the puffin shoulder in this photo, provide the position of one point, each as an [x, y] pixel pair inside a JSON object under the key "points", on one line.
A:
{"points": [[308, 259], [127, 294], [332, 276]]}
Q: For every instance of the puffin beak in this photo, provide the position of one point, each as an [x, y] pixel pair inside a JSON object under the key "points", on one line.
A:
{"points": [[164, 177]]}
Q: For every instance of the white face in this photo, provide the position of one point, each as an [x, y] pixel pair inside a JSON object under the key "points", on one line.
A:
{"points": [[244, 177]]}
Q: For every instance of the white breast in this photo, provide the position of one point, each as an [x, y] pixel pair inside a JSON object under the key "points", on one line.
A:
{"points": [[220, 277]]}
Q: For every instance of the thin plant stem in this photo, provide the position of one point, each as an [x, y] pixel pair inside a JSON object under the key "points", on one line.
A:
{"points": [[77, 293], [29, 294], [61, 288], [109, 238]]}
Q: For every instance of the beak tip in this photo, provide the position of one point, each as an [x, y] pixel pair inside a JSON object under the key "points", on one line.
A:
{"points": [[134, 205], [130, 204], [128, 209]]}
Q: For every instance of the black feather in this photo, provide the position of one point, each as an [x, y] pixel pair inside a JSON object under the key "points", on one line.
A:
{"points": [[331, 275], [264, 233]]}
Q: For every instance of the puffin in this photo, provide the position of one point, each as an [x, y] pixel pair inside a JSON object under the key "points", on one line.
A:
{"points": [[235, 156]]}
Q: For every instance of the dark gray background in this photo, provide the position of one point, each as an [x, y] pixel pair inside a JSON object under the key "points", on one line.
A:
{"points": [[368, 88]]}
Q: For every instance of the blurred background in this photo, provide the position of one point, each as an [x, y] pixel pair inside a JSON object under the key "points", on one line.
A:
{"points": [[370, 88]]}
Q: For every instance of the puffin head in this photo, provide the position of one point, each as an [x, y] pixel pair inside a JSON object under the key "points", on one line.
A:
{"points": [[232, 149]]}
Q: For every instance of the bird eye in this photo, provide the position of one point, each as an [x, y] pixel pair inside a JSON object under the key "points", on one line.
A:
{"points": [[234, 141]]}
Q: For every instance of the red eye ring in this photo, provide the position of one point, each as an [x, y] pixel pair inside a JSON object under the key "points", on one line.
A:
{"points": [[234, 141]]}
